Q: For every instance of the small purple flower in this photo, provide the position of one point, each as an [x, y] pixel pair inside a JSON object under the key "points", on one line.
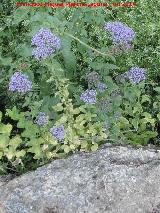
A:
{"points": [[120, 33], [41, 119], [135, 74], [46, 43], [102, 87], [19, 82], [58, 132], [89, 96]]}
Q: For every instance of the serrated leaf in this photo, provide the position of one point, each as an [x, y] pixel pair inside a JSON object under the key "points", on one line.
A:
{"points": [[14, 113], [20, 153], [5, 129], [14, 142]]}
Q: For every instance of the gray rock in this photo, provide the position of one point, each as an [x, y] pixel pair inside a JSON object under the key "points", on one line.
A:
{"points": [[114, 179]]}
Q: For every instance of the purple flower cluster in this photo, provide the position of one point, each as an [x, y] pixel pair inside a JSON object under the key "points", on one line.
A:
{"points": [[46, 43], [58, 132], [19, 82], [135, 74], [102, 87], [41, 119], [120, 32], [89, 96]]}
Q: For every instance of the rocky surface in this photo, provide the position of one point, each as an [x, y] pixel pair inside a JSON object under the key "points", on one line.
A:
{"points": [[111, 180]]}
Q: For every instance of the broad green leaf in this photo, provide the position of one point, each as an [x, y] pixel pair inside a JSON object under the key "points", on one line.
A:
{"points": [[4, 140], [14, 142], [68, 55], [10, 153], [69, 60], [5, 129], [24, 50], [14, 113], [21, 153]]}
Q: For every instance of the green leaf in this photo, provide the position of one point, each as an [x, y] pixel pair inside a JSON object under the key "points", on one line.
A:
{"points": [[72, 146], [157, 89], [68, 55], [24, 50], [4, 140], [66, 148], [20, 153], [58, 107], [63, 119], [76, 111], [20, 14], [0, 116], [36, 149], [158, 115], [10, 153], [145, 98], [16, 141], [14, 113], [84, 144], [135, 123], [124, 123], [5, 129], [69, 60], [6, 61], [1, 154], [94, 147]]}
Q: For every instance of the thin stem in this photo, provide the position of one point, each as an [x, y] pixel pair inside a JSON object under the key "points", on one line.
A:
{"points": [[95, 50]]}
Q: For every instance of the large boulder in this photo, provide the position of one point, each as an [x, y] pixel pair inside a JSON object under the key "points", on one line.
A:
{"points": [[114, 179]]}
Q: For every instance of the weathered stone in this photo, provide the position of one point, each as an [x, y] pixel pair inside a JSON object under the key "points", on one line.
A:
{"points": [[111, 180]]}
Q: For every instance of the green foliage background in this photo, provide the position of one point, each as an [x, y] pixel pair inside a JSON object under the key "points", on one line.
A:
{"points": [[60, 79]]}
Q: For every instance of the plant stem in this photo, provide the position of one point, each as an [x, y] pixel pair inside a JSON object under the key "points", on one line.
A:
{"points": [[95, 50]]}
